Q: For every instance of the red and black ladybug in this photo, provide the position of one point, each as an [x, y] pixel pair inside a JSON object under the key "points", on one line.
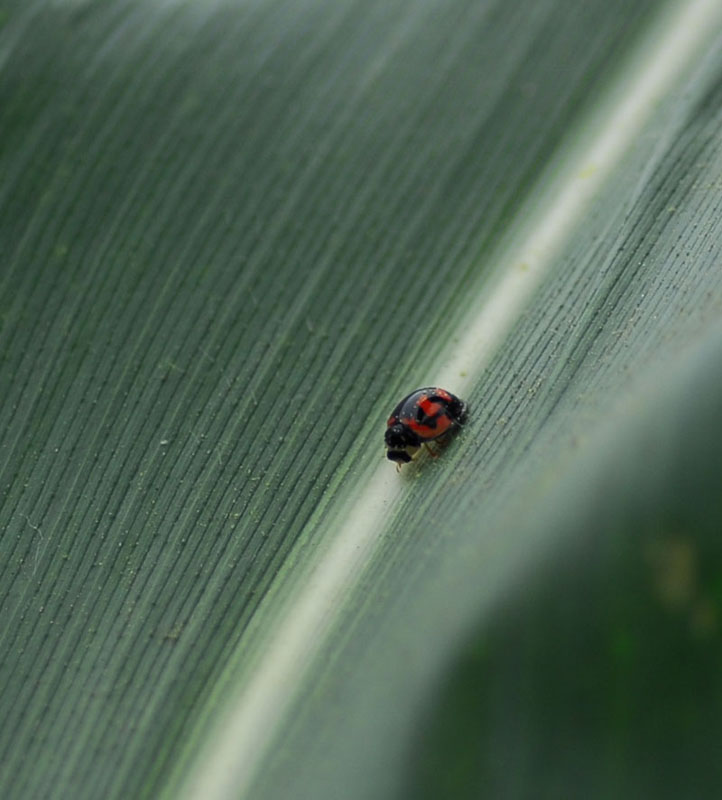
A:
{"points": [[420, 417]]}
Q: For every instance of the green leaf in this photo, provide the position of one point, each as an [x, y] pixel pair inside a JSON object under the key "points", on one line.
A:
{"points": [[233, 235]]}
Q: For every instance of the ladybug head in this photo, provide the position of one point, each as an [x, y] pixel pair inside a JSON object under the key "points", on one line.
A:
{"points": [[399, 456], [400, 436]]}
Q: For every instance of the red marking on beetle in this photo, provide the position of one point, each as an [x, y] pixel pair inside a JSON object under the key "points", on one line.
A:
{"points": [[427, 432]]}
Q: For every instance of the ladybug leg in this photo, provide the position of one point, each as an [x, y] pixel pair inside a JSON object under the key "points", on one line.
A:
{"points": [[431, 452]]}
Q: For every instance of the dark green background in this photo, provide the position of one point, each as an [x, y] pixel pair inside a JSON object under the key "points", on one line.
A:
{"points": [[233, 235]]}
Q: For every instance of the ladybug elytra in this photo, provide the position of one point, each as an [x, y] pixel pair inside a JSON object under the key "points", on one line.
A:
{"points": [[421, 417]]}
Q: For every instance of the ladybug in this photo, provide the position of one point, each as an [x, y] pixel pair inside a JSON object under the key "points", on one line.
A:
{"points": [[420, 417]]}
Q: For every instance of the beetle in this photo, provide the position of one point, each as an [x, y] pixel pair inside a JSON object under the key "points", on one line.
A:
{"points": [[422, 416]]}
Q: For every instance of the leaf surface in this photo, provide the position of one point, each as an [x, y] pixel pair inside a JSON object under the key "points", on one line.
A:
{"points": [[233, 235]]}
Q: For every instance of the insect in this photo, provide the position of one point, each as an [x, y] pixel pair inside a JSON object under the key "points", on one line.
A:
{"points": [[421, 417]]}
